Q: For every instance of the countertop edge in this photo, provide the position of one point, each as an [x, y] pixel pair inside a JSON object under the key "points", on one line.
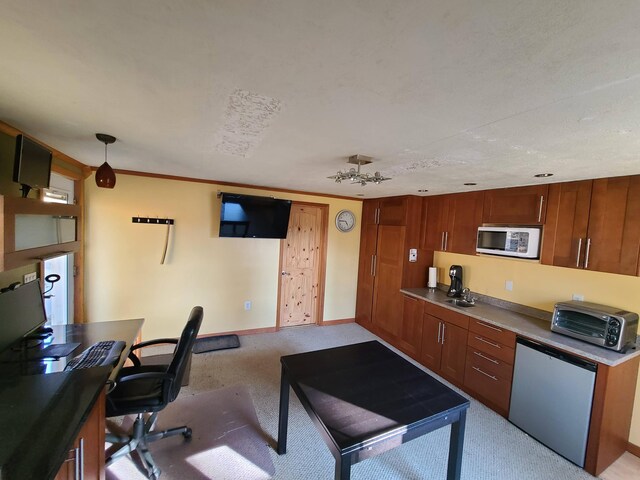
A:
{"points": [[527, 326]]}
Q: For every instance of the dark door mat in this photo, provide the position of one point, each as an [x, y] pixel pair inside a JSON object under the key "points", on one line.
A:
{"points": [[221, 342]]}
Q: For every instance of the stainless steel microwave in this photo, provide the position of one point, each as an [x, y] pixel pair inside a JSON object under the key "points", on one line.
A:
{"points": [[606, 326], [509, 241]]}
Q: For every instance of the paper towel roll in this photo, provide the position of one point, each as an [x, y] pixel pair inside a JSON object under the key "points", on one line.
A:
{"points": [[433, 277]]}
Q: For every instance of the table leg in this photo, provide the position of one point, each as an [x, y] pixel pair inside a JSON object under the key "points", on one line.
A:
{"points": [[455, 447], [343, 468], [283, 418]]}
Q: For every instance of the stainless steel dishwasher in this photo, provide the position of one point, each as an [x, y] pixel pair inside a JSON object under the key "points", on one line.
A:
{"points": [[551, 398]]}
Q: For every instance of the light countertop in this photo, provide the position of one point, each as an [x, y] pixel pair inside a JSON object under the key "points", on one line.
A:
{"points": [[533, 327]]}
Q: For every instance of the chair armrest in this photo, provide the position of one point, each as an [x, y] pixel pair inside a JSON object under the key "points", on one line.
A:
{"points": [[134, 358]]}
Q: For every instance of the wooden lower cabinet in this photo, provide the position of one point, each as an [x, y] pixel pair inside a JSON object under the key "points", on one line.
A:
{"points": [[410, 335], [85, 460], [489, 366], [444, 342]]}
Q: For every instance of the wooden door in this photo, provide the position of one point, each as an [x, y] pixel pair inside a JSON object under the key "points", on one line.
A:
{"points": [[565, 232], [410, 337], [431, 348], [435, 211], [367, 262], [614, 225], [300, 255], [519, 205], [387, 299], [454, 352], [465, 216]]}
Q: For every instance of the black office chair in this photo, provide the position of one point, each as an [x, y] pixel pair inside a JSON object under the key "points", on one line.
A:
{"points": [[144, 389]]}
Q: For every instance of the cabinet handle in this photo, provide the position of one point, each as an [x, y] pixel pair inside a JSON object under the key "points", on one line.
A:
{"points": [[439, 327], [489, 326], [488, 342], [372, 272], [540, 209], [442, 242], [578, 255], [486, 374], [486, 358], [586, 253], [79, 461], [443, 333], [446, 240], [375, 264], [376, 218]]}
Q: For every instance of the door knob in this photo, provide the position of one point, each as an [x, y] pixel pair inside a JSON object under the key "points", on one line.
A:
{"points": [[284, 273]]}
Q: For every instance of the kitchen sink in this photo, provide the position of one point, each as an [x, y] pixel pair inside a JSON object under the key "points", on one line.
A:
{"points": [[459, 302]]}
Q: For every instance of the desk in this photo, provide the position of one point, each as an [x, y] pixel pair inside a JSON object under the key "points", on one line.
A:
{"points": [[365, 399], [41, 414]]}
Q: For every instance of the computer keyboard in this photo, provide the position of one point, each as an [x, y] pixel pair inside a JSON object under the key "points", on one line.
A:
{"points": [[99, 354]]}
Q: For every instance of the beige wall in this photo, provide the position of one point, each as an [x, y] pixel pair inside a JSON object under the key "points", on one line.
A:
{"points": [[124, 277], [541, 286]]}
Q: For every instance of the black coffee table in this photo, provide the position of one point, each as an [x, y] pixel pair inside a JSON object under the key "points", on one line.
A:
{"points": [[365, 399]]}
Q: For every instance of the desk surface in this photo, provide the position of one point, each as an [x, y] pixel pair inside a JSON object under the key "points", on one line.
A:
{"points": [[41, 415], [365, 392]]}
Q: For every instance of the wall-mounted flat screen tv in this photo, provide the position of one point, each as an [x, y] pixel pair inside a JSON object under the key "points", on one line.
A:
{"points": [[248, 216], [32, 165]]}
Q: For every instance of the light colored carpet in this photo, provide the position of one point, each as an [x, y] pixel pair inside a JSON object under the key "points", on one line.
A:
{"points": [[493, 448]]}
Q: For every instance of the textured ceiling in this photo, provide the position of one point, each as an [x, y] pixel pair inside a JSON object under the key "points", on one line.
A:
{"points": [[279, 93]]}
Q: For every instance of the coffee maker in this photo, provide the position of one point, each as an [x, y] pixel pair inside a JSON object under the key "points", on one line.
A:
{"points": [[455, 273]]}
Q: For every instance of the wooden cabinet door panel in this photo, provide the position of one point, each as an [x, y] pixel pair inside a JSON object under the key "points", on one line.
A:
{"points": [[387, 302], [370, 212], [486, 330], [393, 211], [366, 278], [431, 348], [519, 205], [435, 211], [494, 390], [614, 225], [454, 352], [410, 337], [491, 347], [465, 216], [565, 232]]}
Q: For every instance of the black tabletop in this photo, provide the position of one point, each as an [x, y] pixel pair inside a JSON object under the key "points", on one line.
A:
{"points": [[366, 390], [42, 409]]}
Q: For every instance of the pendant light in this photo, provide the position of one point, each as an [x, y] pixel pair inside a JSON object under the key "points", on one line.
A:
{"points": [[105, 176]]}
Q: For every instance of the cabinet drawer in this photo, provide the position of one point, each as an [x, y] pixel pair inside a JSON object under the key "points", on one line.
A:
{"points": [[490, 346], [447, 315], [488, 364], [499, 334], [490, 387]]}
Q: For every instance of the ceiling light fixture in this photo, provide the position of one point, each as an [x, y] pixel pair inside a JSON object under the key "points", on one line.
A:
{"points": [[105, 176], [355, 176], [543, 175]]}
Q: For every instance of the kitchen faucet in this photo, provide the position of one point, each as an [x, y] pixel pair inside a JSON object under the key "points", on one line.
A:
{"points": [[466, 296]]}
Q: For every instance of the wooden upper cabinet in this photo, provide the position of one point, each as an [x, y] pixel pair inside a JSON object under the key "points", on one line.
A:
{"points": [[594, 224], [450, 222], [519, 205], [613, 244], [435, 211], [565, 232], [370, 212], [393, 211], [465, 216]]}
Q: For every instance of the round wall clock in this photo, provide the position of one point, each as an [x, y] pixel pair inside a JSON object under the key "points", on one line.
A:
{"points": [[345, 220]]}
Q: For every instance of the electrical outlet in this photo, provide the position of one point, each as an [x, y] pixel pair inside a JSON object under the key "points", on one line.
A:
{"points": [[508, 285], [247, 305], [413, 254], [577, 296], [29, 277]]}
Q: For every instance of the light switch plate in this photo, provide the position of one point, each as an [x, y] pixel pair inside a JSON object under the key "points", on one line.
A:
{"points": [[508, 285]]}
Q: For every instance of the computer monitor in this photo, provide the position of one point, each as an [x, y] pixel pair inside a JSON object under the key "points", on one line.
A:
{"points": [[21, 312]]}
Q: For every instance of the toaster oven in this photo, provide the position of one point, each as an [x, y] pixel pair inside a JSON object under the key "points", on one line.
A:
{"points": [[606, 326]]}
